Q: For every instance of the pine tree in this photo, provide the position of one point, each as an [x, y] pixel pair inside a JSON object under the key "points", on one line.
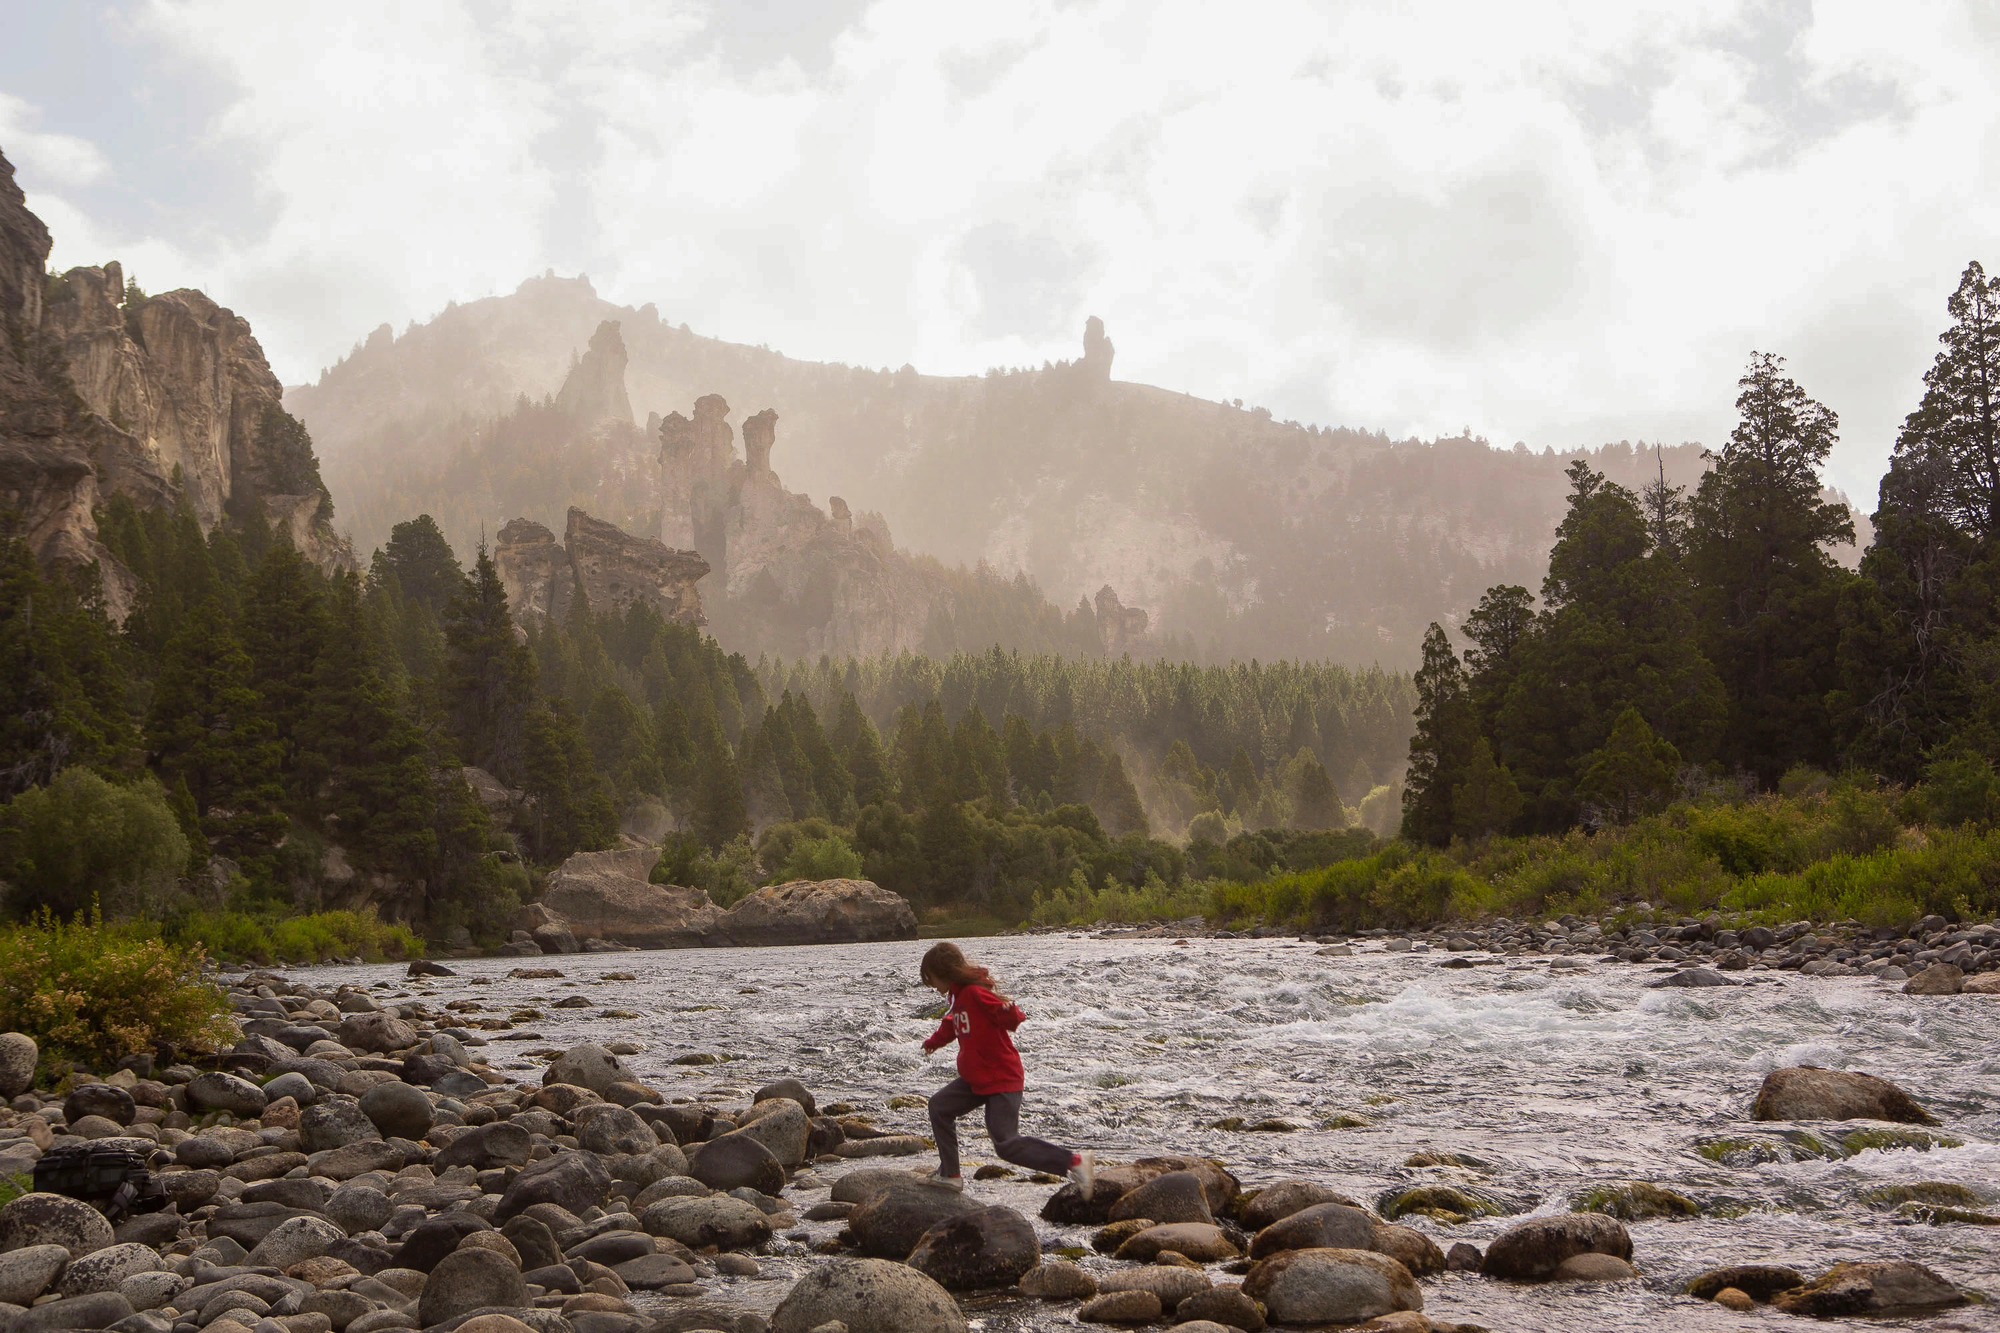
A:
{"points": [[1117, 801], [719, 813], [1315, 800], [1498, 627], [284, 631], [1446, 733], [1767, 592], [422, 563], [61, 690], [859, 748], [490, 679], [1485, 798], [1634, 771]]}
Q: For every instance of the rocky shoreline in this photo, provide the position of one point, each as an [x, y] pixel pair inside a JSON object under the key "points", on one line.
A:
{"points": [[1935, 957], [354, 1164]]}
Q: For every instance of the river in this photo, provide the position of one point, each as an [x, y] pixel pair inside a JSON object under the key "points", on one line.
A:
{"points": [[1552, 1081]]}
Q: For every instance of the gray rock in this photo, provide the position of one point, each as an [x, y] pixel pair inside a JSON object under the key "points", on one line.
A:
{"points": [[100, 1309], [434, 1238], [470, 1279], [29, 1271], [1175, 1196], [1892, 1286], [294, 1085], [376, 1033], [18, 1057], [1170, 1282], [1202, 1242], [398, 1110], [1758, 1281], [1331, 1286], [151, 1290], [533, 1241], [189, 1190], [1593, 1268], [1806, 1092], [334, 1123], [1411, 1248], [791, 1090], [589, 1065], [216, 1091], [1285, 1197], [735, 1160], [1694, 977], [719, 1220], [1531, 1251], [451, 1048], [204, 1150], [358, 1159], [1322, 1226], [103, 1270], [650, 1272], [308, 1193], [784, 1130], [611, 1248], [572, 1180], [341, 1307], [614, 1131], [502, 1143], [990, 1247], [1937, 979], [1121, 1307], [100, 1099], [358, 1208], [869, 1296], [294, 1241], [1222, 1307], [1058, 1280], [53, 1219]]}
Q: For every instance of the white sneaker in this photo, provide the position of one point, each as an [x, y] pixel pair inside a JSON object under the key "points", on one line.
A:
{"points": [[955, 1182], [1084, 1173]]}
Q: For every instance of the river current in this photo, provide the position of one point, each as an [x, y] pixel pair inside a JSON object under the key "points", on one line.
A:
{"points": [[1551, 1079]]}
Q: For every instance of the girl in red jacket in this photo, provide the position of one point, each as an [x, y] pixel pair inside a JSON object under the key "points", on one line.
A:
{"points": [[979, 1019]]}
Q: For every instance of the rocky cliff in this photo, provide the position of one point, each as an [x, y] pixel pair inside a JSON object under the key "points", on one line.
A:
{"points": [[164, 399], [610, 567]]}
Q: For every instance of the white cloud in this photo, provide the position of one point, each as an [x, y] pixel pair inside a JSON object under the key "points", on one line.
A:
{"points": [[1554, 222]]}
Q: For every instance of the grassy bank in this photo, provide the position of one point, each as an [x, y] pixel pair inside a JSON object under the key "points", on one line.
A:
{"points": [[1825, 852], [96, 992], [232, 936]]}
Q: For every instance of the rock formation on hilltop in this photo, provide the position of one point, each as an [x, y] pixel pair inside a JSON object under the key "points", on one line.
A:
{"points": [[164, 400], [610, 567], [1120, 628], [595, 389]]}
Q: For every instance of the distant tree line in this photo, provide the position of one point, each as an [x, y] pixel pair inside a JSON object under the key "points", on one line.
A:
{"points": [[1684, 640]]}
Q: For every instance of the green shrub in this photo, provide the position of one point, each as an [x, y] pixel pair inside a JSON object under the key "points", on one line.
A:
{"points": [[320, 937], [821, 858], [92, 991], [82, 840]]}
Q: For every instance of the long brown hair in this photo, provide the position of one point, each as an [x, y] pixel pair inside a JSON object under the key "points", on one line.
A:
{"points": [[946, 962]]}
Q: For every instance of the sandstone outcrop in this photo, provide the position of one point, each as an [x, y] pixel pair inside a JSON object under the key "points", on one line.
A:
{"points": [[817, 912], [160, 399], [1119, 628], [595, 389], [605, 896], [613, 570]]}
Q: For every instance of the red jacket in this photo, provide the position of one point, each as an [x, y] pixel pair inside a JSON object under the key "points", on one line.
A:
{"points": [[979, 1021]]}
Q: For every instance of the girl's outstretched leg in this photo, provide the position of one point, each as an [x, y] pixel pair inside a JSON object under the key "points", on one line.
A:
{"points": [[1003, 1122], [950, 1102]]}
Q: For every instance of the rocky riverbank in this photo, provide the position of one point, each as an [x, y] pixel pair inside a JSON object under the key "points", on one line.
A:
{"points": [[356, 1165], [1935, 957]]}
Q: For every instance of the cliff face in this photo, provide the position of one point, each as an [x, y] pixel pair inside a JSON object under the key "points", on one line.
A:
{"points": [[160, 399], [613, 569]]}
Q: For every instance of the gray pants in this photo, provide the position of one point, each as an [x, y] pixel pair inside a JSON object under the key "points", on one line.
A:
{"points": [[1003, 1122]]}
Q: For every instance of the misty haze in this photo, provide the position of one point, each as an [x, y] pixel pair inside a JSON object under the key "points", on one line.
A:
{"points": [[1380, 621]]}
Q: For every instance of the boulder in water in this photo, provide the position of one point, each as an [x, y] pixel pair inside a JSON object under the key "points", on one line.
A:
{"points": [[1121, 1307], [868, 1296], [1880, 1287], [1531, 1251], [1331, 1286], [1322, 1226], [1280, 1200], [1411, 1248], [1174, 1196], [1759, 1281], [832, 911], [989, 1247], [735, 1160], [1202, 1242], [789, 1089], [1937, 979], [1594, 1268], [1695, 977], [606, 896], [588, 1065], [1807, 1092], [1058, 1280], [889, 1224], [1224, 1307]]}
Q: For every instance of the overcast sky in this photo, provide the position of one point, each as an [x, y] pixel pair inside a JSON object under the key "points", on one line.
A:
{"points": [[1562, 224]]}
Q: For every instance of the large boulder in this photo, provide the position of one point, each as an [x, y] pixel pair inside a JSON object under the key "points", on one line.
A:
{"points": [[1321, 1227], [1199, 1241], [502, 1143], [606, 896], [357, 1208], [1937, 979], [889, 1224], [736, 1160], [588, 1065], [1175, 1196], [334, 1123], [294, 1241], [1409, 1247], [1285, 1197], [1806, 1092], [216, 1091], [790, 1089], [398, 1110], [1331, 1286], [377, 1033], [29, 1271], [102, 1099], [614, 1131], [573, 1180], [828, 911], [785, 1129], [18, 1056], [989, 1247], [53, 1219], [105, 1269], [868, 1296], [434, 1238], [470, 1279], [1531, 1251], [1892, 1286], [719, 1220]]}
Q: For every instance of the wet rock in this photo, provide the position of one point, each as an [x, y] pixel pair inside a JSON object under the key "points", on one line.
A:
{"points": [[1694, 977], [1443, 1203], [1202, 1242], [1409, 1247], [1170, 1282], [1225, 1307], [588, 1065], [888, 1225], [1734, 1298], [1760, 1281], [615, 1131], [1531, 1251], [1880, 1287], [724, 1222], [1635, 1201], [18, 1057], [869, 1296], [357, 1208], [1986, 983], [533, 1241], [1331, 1286], [100, 1099], [1463, 1258], [398, 1110], [785, 1129], [863, 1185], [989, 1247], [1593, 1268], [789, 1089], [1282, 1199], [375, 1033], [1937, 979], [333, 1123], [649, 1272], [433, 1239], [502, 1143], [1120, 1307], [1174, 1196], [1322, 1226], [735, 1160], [467, 1280], [53, 1219], [1058, 1280], [1067, 1207], [572, 1180], [1806, 1092], [423, 967], [29, 1271], [215, 1091]]}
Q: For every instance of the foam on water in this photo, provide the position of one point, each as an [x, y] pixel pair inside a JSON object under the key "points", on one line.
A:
{"points": [[1553, 1081]]}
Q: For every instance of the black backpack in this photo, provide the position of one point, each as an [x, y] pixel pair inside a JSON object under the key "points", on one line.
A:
{"points": [[113, 1180]]}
